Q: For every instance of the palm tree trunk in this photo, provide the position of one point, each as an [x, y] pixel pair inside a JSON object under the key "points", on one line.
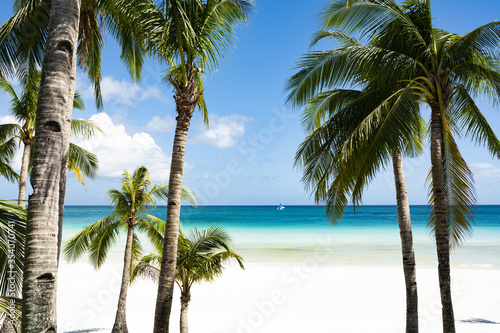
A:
{"points": [[185, 299], [65, 154], [120, 325], [40, 265], [404, 221], [23, 175], [8, 328], [186, 100], [441, 220]]}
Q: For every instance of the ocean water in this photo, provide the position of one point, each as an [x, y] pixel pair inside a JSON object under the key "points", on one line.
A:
{"points": [[368, 236]]}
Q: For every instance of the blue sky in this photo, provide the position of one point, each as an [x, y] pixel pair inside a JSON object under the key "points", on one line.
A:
{"points": [[246, 156]]}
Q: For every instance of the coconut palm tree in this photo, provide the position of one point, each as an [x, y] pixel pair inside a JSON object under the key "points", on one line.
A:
{"points": [[12, 236], [201, 257], [24, 111], [189, 37], [22, 44], [131, 203], [352, 135], [51, 29], [54, 99], [445, 71]]}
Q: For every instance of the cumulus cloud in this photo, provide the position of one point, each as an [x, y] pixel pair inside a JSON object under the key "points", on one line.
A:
{"points": [[485, 170], [8, 120], [224, 131], [124, 92], [158, 124], [118, 150]]}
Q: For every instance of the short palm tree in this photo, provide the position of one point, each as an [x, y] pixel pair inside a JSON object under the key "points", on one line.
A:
{"points": [[201, 257], [442, 70], [131, 204], [189, 37], [23, 133], [12, 237]]}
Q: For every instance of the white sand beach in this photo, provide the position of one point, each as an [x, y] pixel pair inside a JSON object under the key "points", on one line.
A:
{"points": [[274, 297]]}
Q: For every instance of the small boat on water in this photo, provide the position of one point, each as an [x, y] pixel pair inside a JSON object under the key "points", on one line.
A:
{"points": [[280, 207]]}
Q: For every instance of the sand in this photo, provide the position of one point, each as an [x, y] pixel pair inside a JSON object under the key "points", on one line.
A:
{"points": [[301, 297]]}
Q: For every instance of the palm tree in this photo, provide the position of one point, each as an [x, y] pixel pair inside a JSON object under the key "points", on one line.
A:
{"points": [[54, 99], [189, 37], [24, 111], [352, 135], [201, 257], [51, 28], [131, 203], [12, 231], [443, 70]]}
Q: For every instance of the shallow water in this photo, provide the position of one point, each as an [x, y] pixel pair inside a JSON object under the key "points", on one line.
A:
{"points": [[369, 236]]}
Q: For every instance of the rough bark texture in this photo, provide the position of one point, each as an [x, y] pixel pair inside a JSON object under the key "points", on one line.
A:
{"points": [[186, 100], [120, 325], [441, 220], [23, 175], [40, 266], [185, 299], [404, 221], [64, 158], [8, 328]]}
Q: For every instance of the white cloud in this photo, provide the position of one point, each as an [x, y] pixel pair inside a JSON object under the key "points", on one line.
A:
{"points": [[118, 151], [224, 131], [485, 170], [158, 124], [124, 92], [8, 120]]}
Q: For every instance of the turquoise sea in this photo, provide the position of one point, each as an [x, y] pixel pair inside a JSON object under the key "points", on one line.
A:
{"points": [[368, 236]]}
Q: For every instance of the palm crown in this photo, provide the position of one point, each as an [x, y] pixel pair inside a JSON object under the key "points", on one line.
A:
{"points": [[405, 61], [132, 202]]}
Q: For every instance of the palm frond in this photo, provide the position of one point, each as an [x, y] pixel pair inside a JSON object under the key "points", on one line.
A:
{"points": [[148, 267], [460, 192], [82, 161], [12, 244], [96, 239], [154, 228]]}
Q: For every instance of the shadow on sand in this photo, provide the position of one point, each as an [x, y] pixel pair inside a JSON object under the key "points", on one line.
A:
{"points": [[90, 330], [479, 321]]}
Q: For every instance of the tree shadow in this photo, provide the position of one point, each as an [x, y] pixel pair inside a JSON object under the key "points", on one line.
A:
{"points": [[90, 330], [479, 321]]}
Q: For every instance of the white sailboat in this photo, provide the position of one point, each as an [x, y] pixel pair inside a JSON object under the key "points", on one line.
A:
{"points": [[280, 207]]}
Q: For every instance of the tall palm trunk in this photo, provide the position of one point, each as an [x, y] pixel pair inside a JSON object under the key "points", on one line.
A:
{"points": [[8, 328], [40, 265], [23, 175], [185, 299], [65, 154], [441, 219], [186, 100], [404, 221], [120, 325]]}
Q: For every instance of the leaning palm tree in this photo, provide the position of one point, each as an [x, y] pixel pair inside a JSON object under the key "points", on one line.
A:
{"points": [[12, 237], [131, 203], [200, 257], [189, 37], [352, 135], [23, 132], [443, 70]]}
